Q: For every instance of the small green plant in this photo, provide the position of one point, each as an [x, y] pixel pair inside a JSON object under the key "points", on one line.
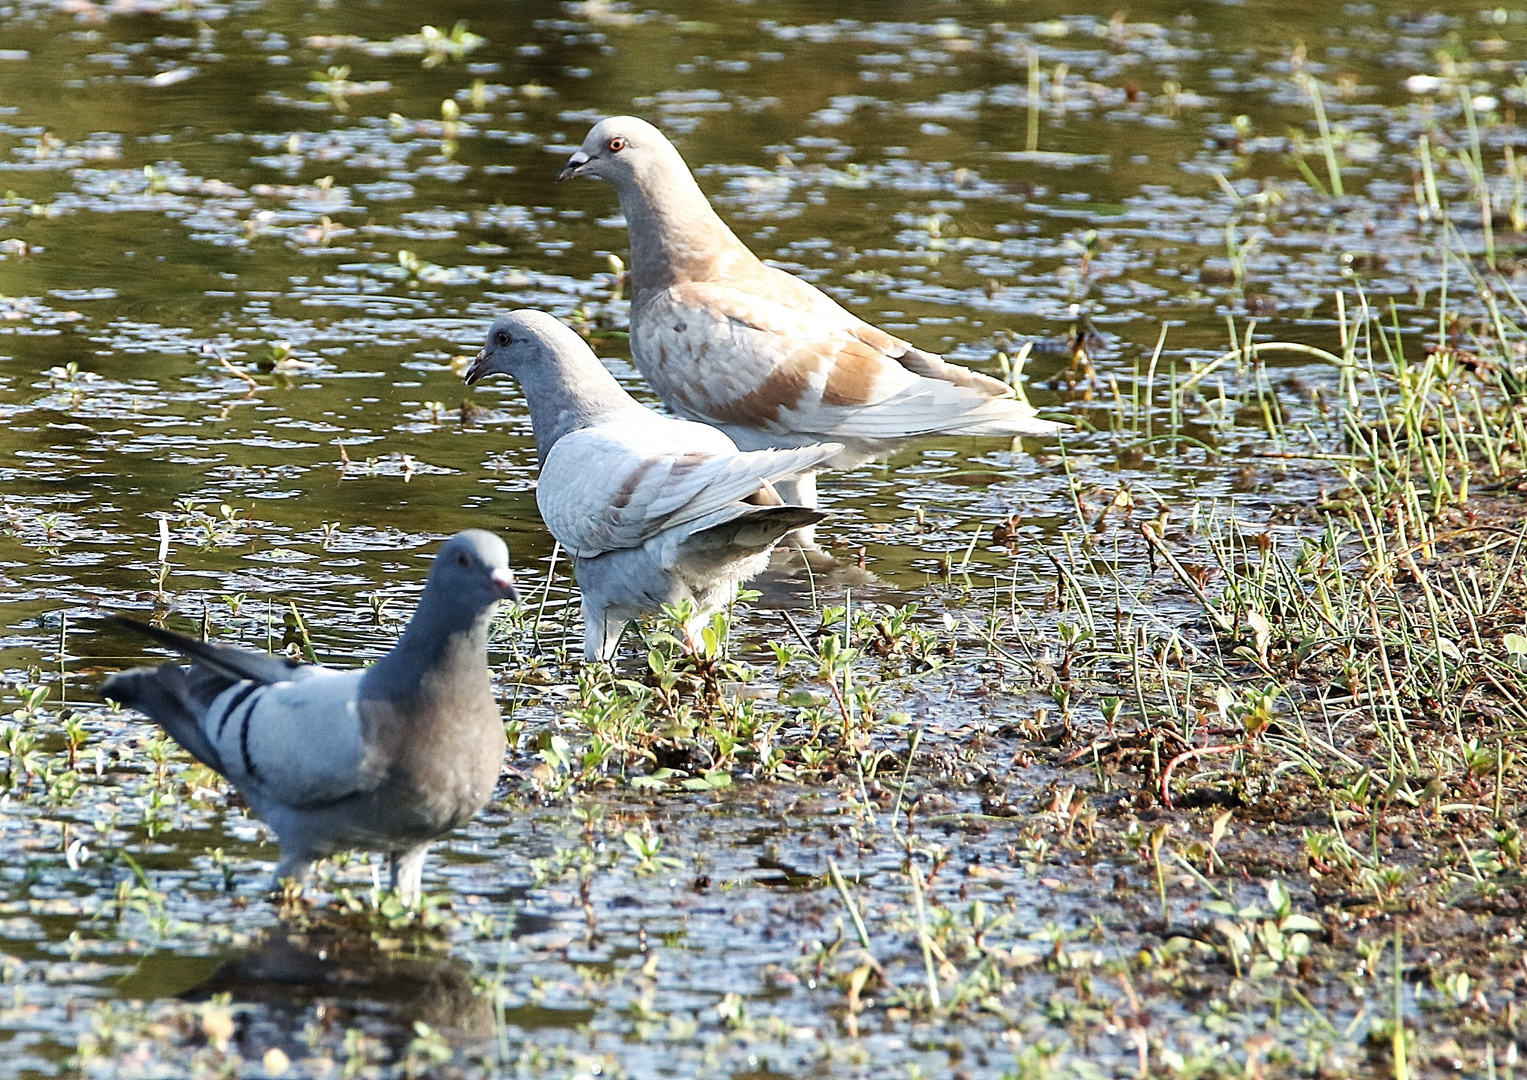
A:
{"points": [[647, 849], [1259, 941], [442, 47]]}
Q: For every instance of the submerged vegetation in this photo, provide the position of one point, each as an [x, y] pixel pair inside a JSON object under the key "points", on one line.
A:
{"points": [[1191, 744]]}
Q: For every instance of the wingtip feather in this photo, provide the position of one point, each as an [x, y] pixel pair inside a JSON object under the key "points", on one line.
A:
{"points": [[233, 662]]}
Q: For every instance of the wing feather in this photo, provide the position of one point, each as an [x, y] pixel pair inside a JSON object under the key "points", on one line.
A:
{"points": [[225, 660], [616, 485], [297, 743], [724, 354]]}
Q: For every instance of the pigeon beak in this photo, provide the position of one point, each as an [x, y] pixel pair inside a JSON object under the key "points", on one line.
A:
{"points": [[478, 369], [573, 166], [503, 581]]}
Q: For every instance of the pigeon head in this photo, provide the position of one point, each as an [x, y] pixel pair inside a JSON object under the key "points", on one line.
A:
{"points": [[472, 569], [520, 342], [449, 629], [564, 382], [676, 235], [530, 345], [619, 148]]}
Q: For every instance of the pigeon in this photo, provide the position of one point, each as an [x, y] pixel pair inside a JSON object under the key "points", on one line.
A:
{"points": [[653, 510], [766, 357], [383, 758]]}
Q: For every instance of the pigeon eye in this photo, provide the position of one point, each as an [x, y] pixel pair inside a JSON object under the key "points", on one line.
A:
{"points": [[617, 144], [503, 338], [461, 560]]}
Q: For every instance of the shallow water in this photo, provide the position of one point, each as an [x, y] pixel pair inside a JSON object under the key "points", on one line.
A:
{"points": [[243, 249]]}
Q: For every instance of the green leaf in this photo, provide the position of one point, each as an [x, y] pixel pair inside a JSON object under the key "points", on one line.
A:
{"points": [[1301, 922], [714, 780], [657, 778]]}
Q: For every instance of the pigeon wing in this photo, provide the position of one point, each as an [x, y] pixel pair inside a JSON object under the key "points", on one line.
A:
{"points": [[611, 487], [297, 743], [224, 660], [726, 354]]}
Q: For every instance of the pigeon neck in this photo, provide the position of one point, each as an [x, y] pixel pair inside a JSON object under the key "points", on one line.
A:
{"points": [[569, 394], [676, 235], [440, 654]]}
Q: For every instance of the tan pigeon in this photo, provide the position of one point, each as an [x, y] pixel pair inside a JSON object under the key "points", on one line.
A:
{"points": [[762, 355]]}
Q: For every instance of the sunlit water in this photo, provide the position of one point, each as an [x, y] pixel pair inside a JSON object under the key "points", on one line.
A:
{"points": [[241, 246]]}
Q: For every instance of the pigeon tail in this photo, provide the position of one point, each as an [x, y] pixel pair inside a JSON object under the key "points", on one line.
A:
{"points": [[932, 366], [756, 529], [1016, 422], [174, 699]]}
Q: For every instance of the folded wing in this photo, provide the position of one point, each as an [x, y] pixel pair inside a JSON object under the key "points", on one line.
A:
{"points": [[731, 355], [613, 486], [299, 743], [278, 729]]}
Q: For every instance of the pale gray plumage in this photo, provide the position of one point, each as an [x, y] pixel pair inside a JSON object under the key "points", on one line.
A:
{"points": [[384, 758], [761, 354], [653, 510]]}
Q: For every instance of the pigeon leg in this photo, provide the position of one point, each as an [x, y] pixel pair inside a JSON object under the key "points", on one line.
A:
{"points": [[408, 874], [800, 490], [601, 633], [295, 865], [692, 638]]}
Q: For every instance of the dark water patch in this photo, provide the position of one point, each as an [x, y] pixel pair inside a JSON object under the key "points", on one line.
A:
{"points": [[195, 184]]}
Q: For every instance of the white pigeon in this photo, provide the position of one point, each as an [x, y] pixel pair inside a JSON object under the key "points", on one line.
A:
{"points": [[383, 758], [653, 510], [761, 354]]}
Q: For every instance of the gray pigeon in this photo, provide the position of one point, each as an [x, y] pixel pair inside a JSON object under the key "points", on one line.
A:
{"points": [[384, 758], [653, 510], [761, 354]]}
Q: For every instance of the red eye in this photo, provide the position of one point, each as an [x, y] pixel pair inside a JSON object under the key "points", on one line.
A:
{"points": [[617, 144]]}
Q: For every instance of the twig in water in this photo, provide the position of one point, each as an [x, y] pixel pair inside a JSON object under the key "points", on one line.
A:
{"points": [[1401, 1067], [912, 745], [1187, 755], [804, 640], [848, 902], [1181, 572], [922, 932], [221, 359], [535, 629]]}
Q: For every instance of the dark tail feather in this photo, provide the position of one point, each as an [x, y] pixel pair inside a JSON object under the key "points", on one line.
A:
{"points": [[756, 530], [235, 664], [168, 696]]}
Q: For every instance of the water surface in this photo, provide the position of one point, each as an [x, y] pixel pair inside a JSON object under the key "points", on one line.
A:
{"points": [[244, 248]]}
